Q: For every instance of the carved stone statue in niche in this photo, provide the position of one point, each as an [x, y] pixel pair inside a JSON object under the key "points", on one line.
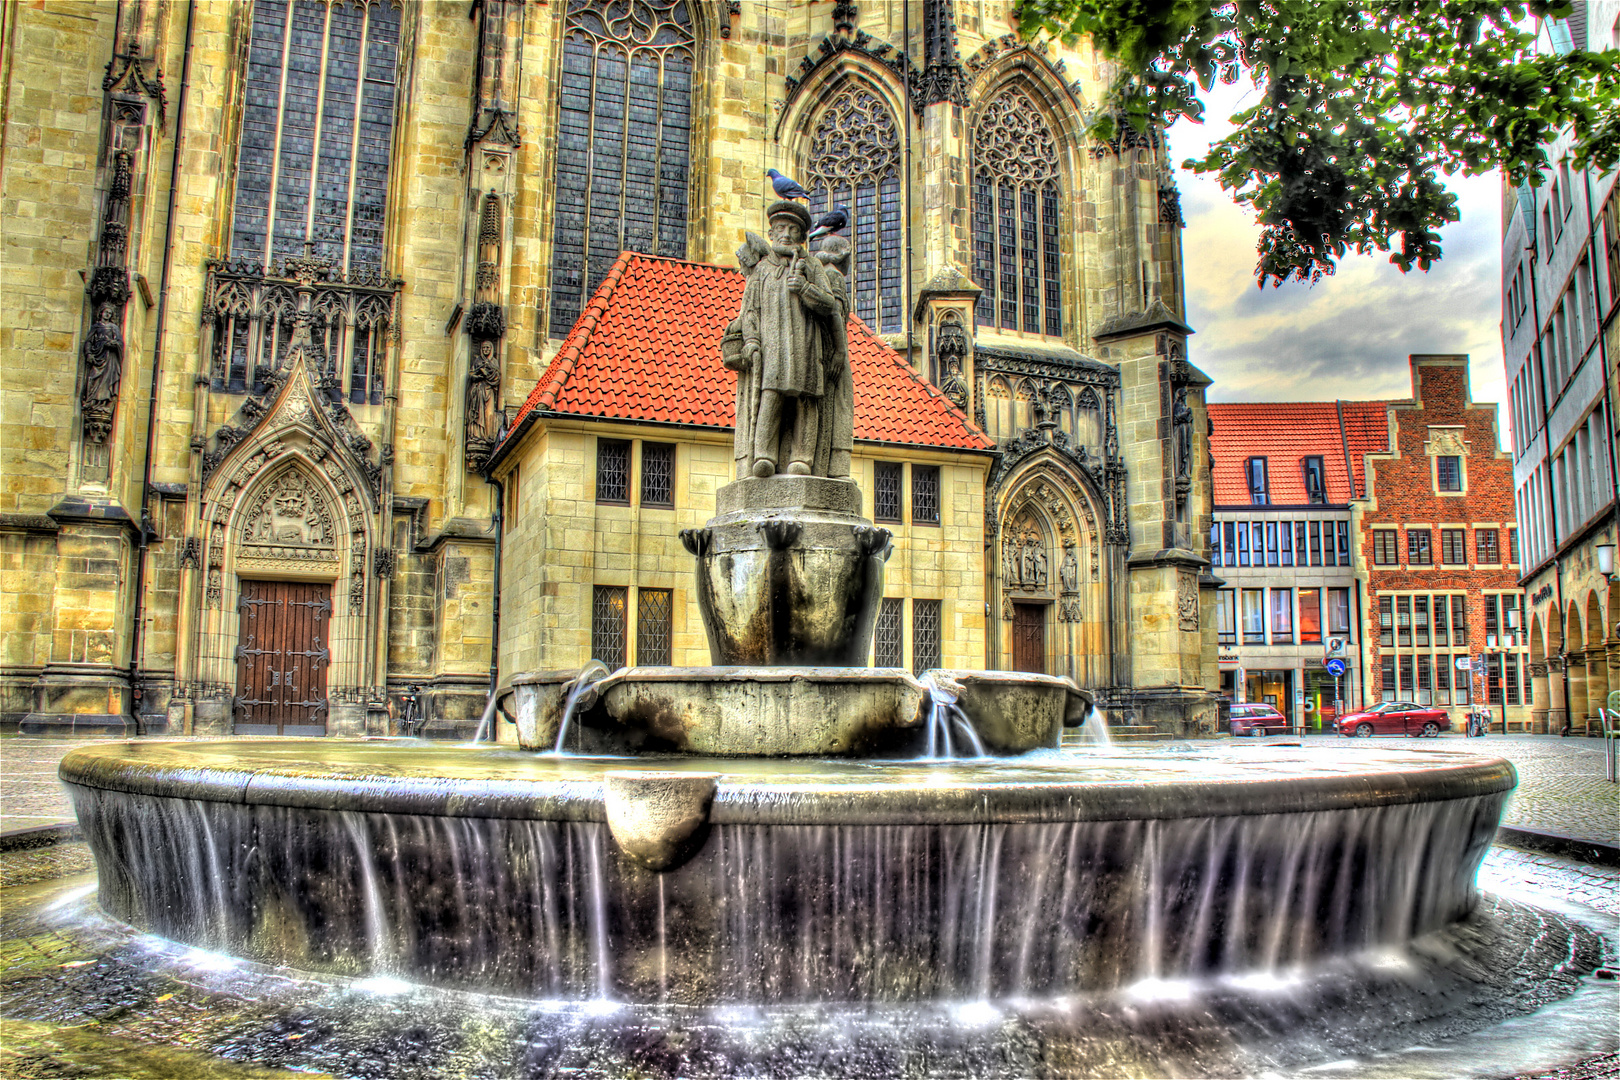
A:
{"points": [[950, 350], [1011, 573], [483, 392], [103, 353], [1069, 574], [952, 387], [1182, 418], [1040, 566], [788, 345]]}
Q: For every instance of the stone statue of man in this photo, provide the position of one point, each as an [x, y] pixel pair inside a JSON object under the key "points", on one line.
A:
{"points": [[786, 344]]}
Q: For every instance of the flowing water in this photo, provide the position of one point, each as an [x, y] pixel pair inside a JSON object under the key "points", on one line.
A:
{"points": [[945, 716], [591, 674]]}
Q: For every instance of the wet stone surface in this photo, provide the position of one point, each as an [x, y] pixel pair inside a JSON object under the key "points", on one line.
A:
{"points": [[81, 995]]}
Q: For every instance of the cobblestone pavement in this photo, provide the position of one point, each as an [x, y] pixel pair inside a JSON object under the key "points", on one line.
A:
{"points": [[1561, 781], [1548, 877]]}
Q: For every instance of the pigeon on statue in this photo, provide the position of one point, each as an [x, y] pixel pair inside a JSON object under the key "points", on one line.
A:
{"points": [[786, 187], [830, 223]]}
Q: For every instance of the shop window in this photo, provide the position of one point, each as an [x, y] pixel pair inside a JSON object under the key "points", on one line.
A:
{"points": [[1448, 473], [1485, 546], [925, 635], [925, 494], [1254, 616], [888, 649], [609, 605], [888, 481], [657, 474], [1385, 552], [1259, 493], [653, 626], [1419, 550], [1453, 547], [613, 472], [1315, 486], [1310, 616]]}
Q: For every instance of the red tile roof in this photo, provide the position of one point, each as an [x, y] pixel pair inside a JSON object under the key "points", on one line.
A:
{"points": [[1285, 433], [647, 347]]}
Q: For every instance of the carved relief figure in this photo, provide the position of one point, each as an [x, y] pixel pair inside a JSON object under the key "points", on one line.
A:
{"points": [[289, 513], [1040, 566], [1181, 417], [1069, 574], [787, 345]]}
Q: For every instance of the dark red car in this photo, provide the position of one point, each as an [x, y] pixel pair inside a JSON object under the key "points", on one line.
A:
{"points": [[1252, 719], [1396, 718]]}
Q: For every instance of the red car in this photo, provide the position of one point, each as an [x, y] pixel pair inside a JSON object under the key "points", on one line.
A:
{"points": [[1396, 718], [1252, 719]]}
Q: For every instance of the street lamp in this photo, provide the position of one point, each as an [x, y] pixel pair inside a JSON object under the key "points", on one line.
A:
{"points": [[1605, 560]]}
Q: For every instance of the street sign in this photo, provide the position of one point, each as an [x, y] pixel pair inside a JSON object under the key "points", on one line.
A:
{"points": [[1335, 667], [1335, 646], [1463, 664]]}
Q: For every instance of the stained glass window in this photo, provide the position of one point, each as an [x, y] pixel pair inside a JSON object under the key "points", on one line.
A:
{"points": [[855, 163], [623, 143], [317, 124], [1015, 217]]}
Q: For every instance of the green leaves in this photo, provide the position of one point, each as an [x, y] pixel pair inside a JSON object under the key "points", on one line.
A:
{"points": [[1364, 105]]}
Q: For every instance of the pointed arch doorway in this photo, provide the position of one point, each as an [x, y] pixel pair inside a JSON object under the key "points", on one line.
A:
{"points": [[1029, 637]]}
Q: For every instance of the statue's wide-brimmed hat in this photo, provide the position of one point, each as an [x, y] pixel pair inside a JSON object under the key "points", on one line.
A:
{"points": [[787, 208]]}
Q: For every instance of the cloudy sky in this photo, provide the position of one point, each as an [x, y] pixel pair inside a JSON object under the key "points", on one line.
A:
{"points": [[1349, 335]]}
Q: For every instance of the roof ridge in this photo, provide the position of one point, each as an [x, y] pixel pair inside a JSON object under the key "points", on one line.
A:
{"points": [[568, 355]]}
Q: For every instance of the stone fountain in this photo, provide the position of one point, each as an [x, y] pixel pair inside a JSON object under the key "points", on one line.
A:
{"points": [[771, 829]]}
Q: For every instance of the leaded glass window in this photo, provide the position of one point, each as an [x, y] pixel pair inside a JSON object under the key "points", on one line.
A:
{"points": [[657, 474], [886, 496], [855, 163], [888, 649], [623, 143], [925, 494], [612, 471], [1015, 217], [608, 608], [317, 125], [653, 627], [925, 635]]}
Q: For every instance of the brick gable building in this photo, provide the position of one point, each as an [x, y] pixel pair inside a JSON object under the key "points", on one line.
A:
{"points": [[1439, 541]]}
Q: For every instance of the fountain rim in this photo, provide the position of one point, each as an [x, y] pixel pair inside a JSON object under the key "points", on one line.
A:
{"points": [[161, 769]]}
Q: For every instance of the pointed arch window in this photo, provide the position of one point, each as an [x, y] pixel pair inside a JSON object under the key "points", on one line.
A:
{"points": [[855, 163], [623, 143], [1015, 217], [317, 125]]}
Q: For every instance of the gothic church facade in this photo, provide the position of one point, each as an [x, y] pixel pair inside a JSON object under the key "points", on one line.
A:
{"points": [[277, 275]]}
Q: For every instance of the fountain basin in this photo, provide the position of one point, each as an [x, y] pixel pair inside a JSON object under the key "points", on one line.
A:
{"points": [[1050, 874], [786, 712]]}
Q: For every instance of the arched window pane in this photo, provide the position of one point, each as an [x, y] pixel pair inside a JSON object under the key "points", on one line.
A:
{"points": [[623, 143], [1015, 217], [322, 74], [855, 163]]}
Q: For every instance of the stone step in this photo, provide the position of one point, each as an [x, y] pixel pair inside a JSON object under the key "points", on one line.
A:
{"points": [[1122, 734]]}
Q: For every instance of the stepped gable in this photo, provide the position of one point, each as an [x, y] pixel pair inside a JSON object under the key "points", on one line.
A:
{"points": [[1286, 432], [647, 347]]}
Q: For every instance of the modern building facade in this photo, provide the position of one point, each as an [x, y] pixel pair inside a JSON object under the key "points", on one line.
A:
{"points": [[1288, 479], [1386, 526], [278, 275], [1561, 347]]}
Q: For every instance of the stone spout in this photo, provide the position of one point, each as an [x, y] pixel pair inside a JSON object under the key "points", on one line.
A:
{"points": [[659, 819]]}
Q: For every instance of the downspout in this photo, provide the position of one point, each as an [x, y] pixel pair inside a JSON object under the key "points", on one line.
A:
{"points": [[137, 645], [498, 523]]}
